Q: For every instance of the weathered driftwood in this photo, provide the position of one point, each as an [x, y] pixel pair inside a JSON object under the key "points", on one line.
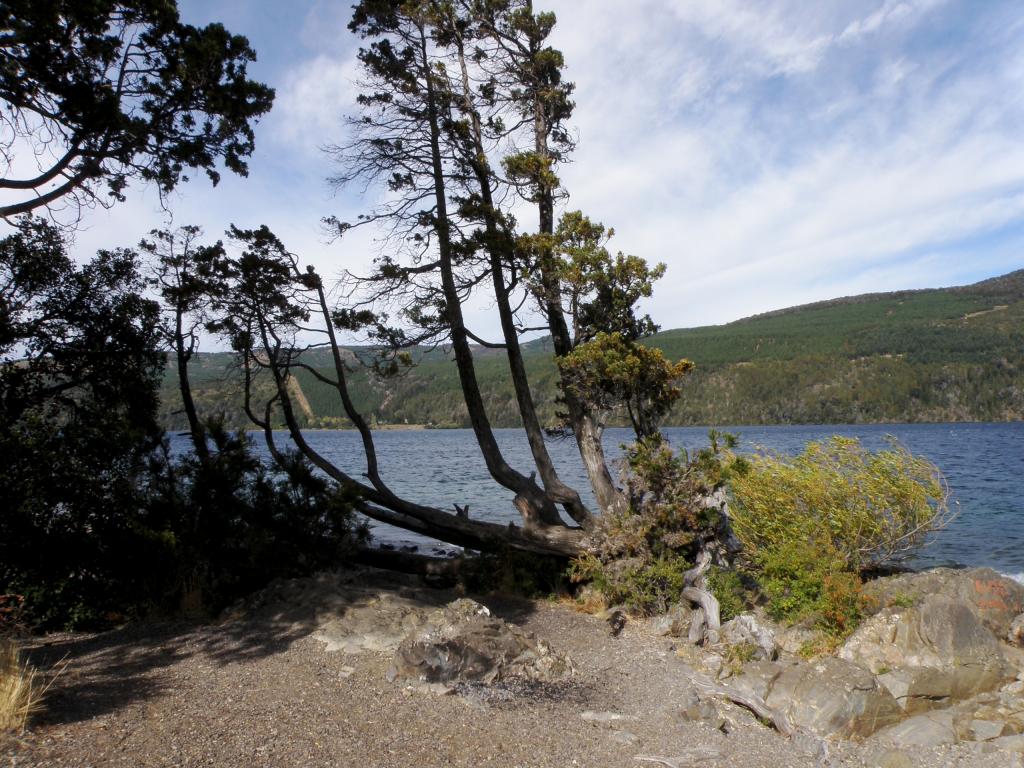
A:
{"points": [[804, 740], [779, 720], [706, 621]]}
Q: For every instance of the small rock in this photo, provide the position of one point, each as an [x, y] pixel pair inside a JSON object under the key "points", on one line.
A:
{"points": [[616, 621], [745, 630], [1009, 743], [792, 640], [346, 671], [603, 717], [894, 758], [675, 623], [1017, 687], [703, 711], [625, 737], [1015, 635], [712, 663]]}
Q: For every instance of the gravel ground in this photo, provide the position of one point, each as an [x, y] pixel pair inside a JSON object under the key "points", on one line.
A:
{"points": [[261, 692]]}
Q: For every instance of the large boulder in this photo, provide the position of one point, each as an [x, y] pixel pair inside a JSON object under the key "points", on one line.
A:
{"points": [[829, 697], [462, 642], [996, 599], [929, 655]]}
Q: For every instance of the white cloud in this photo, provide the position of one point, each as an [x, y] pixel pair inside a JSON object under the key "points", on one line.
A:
{"points": [[313, 101], [819, 155], [772, 152]]}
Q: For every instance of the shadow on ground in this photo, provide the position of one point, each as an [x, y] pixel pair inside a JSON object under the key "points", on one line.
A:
{"points": [[96, 674]]}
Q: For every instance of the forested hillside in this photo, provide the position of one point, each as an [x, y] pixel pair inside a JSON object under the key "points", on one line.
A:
{"points": [[952, 354]]}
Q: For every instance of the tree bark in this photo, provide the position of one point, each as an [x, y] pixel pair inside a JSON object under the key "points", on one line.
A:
{"points": [[530, 496], [385, 507], [184, 356], [501, 251]]}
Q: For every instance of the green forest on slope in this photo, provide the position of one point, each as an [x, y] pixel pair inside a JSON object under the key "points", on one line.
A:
{"points": [[949, 354]]}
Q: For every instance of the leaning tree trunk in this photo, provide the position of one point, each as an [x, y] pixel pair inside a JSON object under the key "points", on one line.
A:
{"points": [[183, 356], [386, 507], [501, 251], [585, 427], [534, 506]]}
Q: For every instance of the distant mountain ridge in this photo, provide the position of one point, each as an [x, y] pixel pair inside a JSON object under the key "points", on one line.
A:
{"points": [[939, 354]]}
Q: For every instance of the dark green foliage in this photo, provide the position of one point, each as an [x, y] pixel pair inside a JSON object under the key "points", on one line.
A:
{"points": [[729, 587], [230, 524], [78, 375], [806, 581], [95, 525], [116, 90], [611, 374], [644, 587], [792, 578]]}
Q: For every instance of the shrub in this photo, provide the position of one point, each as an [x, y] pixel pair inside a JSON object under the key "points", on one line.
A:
{"points": [[514, 572], [870, 509], [729, 589], [640, 553], [812, 524], [230, 525]]}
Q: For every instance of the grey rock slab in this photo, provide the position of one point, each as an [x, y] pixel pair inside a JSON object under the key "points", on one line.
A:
{"points": [[833, 698], [757, 677], [986, 730], [931, 729], [929, 655]]}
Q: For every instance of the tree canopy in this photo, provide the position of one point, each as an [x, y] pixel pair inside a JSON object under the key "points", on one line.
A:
{"points": [[96, 94]]}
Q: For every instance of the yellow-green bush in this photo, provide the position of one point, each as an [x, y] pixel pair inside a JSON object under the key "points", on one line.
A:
{"points": [[811, 524], [870, 508]]}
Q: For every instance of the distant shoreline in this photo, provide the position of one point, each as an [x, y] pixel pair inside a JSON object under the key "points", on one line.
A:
{"points": [[431, 427]]}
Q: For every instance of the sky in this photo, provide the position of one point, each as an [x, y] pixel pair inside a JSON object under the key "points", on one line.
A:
{"points": [[771, 153]]}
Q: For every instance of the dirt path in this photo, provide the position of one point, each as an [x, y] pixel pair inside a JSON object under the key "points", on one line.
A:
{"points": [[263, 692]]}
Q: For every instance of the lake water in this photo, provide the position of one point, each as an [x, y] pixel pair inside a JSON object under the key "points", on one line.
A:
{"points": [[983, 464]]}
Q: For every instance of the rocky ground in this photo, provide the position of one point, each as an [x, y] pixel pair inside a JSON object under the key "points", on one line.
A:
{"points": [[300, 676]]}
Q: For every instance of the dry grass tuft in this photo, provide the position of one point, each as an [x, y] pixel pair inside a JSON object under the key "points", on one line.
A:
{"points": [[21, 690]]}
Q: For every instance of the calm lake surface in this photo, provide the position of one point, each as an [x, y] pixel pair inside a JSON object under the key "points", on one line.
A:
{"points": [[983, 464]]}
